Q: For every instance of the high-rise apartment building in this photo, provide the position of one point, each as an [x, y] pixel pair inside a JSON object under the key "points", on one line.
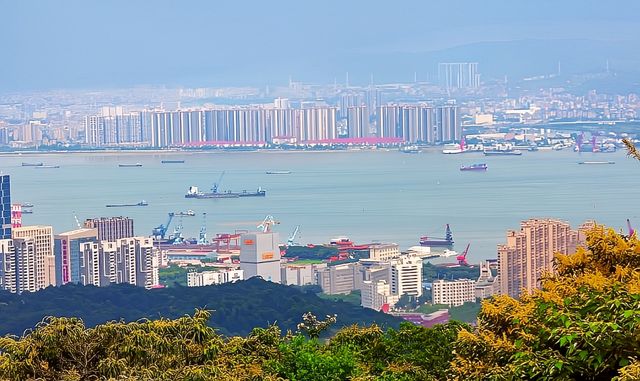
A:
{"points": [[420, 123], [528, 254], [16, 215], [111, 228], [260, 256], [7, 266], [406, 275], [459, 75], [358, 122], [126, 260], [35, 261], [5, 207], [68, 255]]}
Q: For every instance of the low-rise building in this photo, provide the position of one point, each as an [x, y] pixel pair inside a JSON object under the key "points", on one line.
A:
{"points": [[453, 292], [207, 278], [340, 279], [300, 275], [384, 251], [487, 285], [376, 294]]}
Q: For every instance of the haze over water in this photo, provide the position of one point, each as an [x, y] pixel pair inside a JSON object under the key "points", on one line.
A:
{"points": [[365, 195]]}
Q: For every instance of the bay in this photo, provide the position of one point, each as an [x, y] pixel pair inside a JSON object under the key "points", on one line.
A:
{"points": [[367, 195]]}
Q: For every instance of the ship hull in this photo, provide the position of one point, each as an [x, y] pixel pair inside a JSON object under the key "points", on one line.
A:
{"points": [[436, 243], [225, 195], [502, 153]]}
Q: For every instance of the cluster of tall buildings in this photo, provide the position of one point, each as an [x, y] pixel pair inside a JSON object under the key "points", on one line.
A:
{"points": [[104, 252], [272, 124]]}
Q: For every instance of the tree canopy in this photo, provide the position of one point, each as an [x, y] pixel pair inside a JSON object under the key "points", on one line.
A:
{"points": [[583, 324]]}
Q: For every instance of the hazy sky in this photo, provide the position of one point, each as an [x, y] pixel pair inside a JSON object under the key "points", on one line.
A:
{"points": [[92, 43]]}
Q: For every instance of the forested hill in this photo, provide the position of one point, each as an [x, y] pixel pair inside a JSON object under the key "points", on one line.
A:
{"points": [[237, 308]]}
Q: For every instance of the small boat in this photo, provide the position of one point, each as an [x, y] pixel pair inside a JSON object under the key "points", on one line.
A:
{"points": [[172, 161], [189, 212], [27, 211], [47, 166], [129, 165], [278, 172], [39, 164], [410, 149], [26, 205], [141, 203], [597, 162], [474, 167]]}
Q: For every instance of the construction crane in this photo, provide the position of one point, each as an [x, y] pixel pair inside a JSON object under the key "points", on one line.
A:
{"points": [[462, 258], [161, 231], [217, 184], [290, 241], [80, 227], [267, 223], [202, 238], [631, 229]]}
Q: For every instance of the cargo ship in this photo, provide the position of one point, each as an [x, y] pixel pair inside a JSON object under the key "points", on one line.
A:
{"points": [[172, 161], [597, 162], [46, 166], [278, 172], [474, 167], [40, 164], [26, 205], [193, 192], [189, 213], [129, 165], [438, 242], [141, 203]]}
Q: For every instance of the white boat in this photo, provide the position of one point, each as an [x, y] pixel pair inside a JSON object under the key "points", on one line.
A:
{"points": [[449, 253], [451, 149], [278, 172]]}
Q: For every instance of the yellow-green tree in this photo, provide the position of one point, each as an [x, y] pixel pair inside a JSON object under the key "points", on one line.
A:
{"points": [[584, 324]]}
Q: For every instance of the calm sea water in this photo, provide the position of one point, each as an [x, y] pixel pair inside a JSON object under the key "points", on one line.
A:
{"points": [[384, 196]]}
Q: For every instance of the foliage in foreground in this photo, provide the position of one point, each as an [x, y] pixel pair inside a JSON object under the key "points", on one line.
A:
{"points": [[188, 349], [584, 324]]}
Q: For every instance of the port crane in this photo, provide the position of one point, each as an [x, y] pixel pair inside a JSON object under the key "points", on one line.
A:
{"points": [[267, 223], [217, 184], [177, 237], [462, 258], [290, 241], [161, 231], [202, 238]]}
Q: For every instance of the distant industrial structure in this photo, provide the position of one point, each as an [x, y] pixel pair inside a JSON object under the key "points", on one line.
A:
{"points": [[458, 75]]}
